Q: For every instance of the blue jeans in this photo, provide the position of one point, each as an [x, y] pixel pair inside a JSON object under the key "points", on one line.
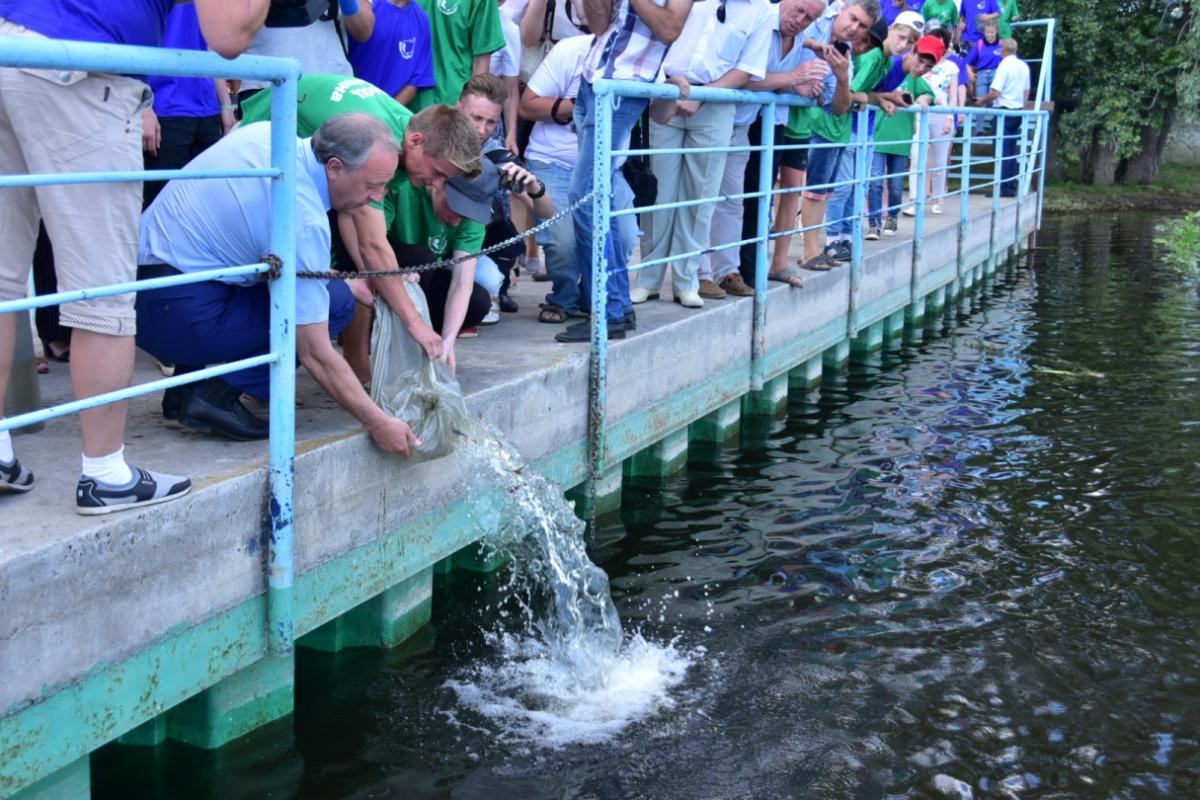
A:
{"points": [[841, 206], [983, 84], [1010, 147], [213, 323], [624, 117], [895, 167]]}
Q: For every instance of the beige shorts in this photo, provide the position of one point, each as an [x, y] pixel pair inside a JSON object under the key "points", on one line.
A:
{"points": [[52, 122]]}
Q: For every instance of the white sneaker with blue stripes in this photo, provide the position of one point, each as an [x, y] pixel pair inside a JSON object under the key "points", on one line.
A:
{"points": [[145, 489]]}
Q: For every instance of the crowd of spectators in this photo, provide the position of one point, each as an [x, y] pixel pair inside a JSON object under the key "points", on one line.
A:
{"points": [[432, 129]]}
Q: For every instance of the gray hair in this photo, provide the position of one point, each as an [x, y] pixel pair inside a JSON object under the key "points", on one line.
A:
{"points": [[870, 6], [351, 137]]}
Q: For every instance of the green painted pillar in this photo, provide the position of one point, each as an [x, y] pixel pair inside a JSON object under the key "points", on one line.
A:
{"points": [[478, 558], [893, 329], [665, 457], [868, 341], [807, 375], [72, 782], [770, 400], [260, 693], [608, 494], [914, 315], [718, 427], [835, 358], [385, 620], [149, 734]]}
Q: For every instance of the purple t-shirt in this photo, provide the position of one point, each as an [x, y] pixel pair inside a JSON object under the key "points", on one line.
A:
{"points": [[111, 21], [984, 56], [971, 9], [890, 11], [399, 52], [963, 78], [184, 97]]}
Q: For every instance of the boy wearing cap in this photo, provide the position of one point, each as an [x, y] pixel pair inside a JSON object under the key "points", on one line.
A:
{"points": [[884, 43], [893, 136]]}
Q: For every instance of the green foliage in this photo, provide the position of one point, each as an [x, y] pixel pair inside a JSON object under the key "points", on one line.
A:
{"points": [[1181, 239], [1120, 64]]}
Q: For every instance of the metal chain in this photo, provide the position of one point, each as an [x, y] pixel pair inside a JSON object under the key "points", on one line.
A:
{"points": [[432, 265]]}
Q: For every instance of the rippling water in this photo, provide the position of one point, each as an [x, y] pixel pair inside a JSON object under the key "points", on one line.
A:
{"points": [[972, 566]]}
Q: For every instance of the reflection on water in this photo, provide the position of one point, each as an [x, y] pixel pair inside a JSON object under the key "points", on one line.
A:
{"points": [[968, 568]]}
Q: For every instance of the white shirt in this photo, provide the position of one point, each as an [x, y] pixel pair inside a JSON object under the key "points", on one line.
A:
{"points": [[557, 76], [943, 79], [514, 9], [627, 50], [1012, 81], [708, 48], [506, 62], [777, 61]]}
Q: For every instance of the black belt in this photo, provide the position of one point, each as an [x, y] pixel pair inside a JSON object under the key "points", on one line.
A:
{"points": [[147, 271]]}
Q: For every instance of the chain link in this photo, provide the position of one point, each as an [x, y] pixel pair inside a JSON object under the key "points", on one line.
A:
{"points": [[432, 265]]}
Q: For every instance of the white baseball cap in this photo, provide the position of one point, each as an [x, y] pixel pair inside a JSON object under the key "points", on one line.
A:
{"points": [[912, 19]]}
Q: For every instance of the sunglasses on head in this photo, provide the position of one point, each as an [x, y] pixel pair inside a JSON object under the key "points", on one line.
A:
{"points": [[721, 12]]}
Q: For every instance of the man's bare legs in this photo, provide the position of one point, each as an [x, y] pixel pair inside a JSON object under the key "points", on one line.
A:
{"points": [[812, 215], [101, 363], [785, 217]]}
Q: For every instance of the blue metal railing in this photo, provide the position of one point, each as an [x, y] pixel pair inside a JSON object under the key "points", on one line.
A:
{"points": [[1029, 157], [283, 73]]}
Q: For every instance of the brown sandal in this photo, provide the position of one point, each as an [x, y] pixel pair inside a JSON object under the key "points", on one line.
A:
{"points": [[553, 314]]}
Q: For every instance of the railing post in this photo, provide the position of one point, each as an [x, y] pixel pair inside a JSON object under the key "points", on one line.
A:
{"points": [[1045, 147], [598, 364], [919, 202], [280, 511], [862, 171], [964, 195], [997, 164], [766, 179], [1022, 179]]}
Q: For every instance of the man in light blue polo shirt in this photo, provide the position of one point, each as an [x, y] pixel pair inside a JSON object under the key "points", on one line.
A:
{"points": [[195, 225]]}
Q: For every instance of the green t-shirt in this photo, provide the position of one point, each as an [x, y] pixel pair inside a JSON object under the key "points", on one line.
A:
{"points": [[325, 96], [1008, 10], [410, 218], [894, 134], [943, 10], [461, 30], [869, 69]]}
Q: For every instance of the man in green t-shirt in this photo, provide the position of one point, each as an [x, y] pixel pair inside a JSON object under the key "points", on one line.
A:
{"points": [[944, 10], [465, 34], [1009, 13], [436, 145]]}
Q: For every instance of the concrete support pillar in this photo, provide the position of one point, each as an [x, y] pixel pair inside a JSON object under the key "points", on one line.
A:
{"points": [[149, 734], [807, 375], [868, 341], [769, 401], [72, 782], [665, 457], [914, 314], [835, 358], [260, 693], [385, 620], [718, 427], [477, 558], [893, 330], [608, 494]]}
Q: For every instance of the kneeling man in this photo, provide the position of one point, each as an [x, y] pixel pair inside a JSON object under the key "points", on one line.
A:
{"points": [[195, 225]]}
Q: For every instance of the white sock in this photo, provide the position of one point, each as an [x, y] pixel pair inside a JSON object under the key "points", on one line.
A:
{"points": [[110, 469], [6, 451]]}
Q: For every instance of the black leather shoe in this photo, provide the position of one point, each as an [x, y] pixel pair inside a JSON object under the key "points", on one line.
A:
{"points": [[507, 304], [173, 401], [213, 407], [582, 332], [630, 321]]}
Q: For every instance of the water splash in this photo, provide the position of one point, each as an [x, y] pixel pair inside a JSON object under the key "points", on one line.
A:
{"points": [[569, 674]]}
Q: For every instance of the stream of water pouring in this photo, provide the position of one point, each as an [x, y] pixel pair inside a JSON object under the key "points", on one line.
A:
{"points": [[569, 674]]}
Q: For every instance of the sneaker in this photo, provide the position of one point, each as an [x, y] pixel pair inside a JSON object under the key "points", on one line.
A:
{"points": [[872, 233], [14, 477], [507, 304], [839, 251], [734, 284], [491, 317], [936, 208], [638, 295], [890, 226], [582, 332], [910, 211], [94, 497], [468, 333], [710, 291], [689, 300]]}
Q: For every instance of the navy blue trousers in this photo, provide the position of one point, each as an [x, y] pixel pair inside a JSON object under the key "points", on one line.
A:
{"points": [[213, 323]]}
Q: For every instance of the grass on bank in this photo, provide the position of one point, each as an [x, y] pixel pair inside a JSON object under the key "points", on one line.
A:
{"points": [[1177, 189]]}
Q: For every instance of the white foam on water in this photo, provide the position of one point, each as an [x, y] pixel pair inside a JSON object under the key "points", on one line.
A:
{"points": [[536, 695]]}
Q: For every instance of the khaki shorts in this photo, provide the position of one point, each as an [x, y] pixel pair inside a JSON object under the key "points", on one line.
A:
{"points": [[51, 122]]}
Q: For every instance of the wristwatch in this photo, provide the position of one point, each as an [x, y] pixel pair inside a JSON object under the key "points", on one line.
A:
{"points": [[539, 193]]}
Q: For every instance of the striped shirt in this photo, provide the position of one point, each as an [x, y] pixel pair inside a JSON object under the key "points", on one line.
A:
{"points": [[628, 50]]}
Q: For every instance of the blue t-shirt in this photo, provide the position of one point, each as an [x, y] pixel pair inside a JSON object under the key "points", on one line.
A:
{"points": [[890, 11], [963, 78], [984, 56], [111, 21], [399, 52], [179, 96], [971, 9]]}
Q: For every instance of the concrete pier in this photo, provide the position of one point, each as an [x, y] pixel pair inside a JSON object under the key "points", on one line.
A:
{"points": [[157, 617]]}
